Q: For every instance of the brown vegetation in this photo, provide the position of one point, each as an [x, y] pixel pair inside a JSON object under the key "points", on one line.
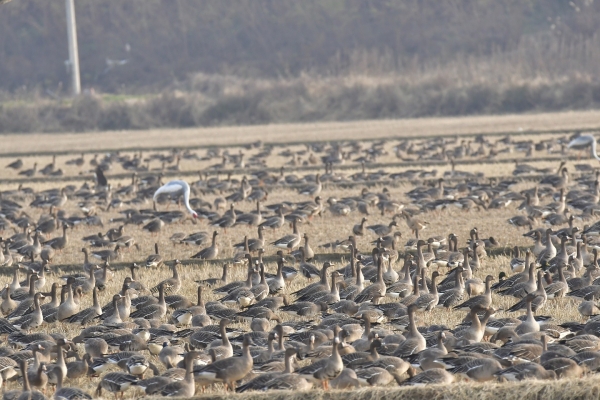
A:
{"points": [[375, 61]]}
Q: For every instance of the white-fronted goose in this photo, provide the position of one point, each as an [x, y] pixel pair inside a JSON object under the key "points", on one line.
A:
{"points": [[227, 220], [375, 292], [291, 241], [479, 369], [428, 301], [312, 189], [228, 370], [107, 255], [211, 252], [59, 243], [185, 387], [252, 219], [482, 300], [153, 311], [69, 307], [116, 382], [68, 393], [27, 392], [382, 230], [33, 319], [524, 371], [170, 285], [8, 304], [154, 226], [154, 260], [415, 342], [359, 229], [87, 315], [274, 222], [327, 369]]}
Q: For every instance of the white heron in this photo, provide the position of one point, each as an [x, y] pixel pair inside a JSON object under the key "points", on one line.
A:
{"points": [[177, 186], [583, 141]]}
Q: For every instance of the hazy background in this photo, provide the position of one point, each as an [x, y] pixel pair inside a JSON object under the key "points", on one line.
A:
{"points": [[196, 63]]}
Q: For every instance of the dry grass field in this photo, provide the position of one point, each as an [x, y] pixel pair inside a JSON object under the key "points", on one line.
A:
{"points": [[320, 229], [325, 131]]}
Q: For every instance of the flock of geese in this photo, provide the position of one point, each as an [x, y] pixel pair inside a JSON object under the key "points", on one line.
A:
{"points": [[341, 327]]}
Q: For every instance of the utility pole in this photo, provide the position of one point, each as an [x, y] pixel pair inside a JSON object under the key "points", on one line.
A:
{"points": [[73, 53]]}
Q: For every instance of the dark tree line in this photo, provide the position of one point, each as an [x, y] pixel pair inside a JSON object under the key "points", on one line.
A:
{"points": [[146, 44]]}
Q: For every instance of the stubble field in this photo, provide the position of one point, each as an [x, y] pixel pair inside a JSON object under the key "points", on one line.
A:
{"points": [[320, 229]]}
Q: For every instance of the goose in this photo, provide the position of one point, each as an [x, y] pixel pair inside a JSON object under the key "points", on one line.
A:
{"points": [[68, 393], [309, 253], [34, 319], [454, 296], [183, 316], [36, 375], [376, 291], [382, 230], [87, 315], [116, 382], [482, 300], [232, 286], [308, 270], [428, 301], [329, 295], [350, 291], [228, 370], [259, 382], [520, 290], [27, 392], [312, 189], [86, 283], [185, 387], [171, 285], [540, 296], [287, 380], [277, 284], [211, 252], [210, 282], [227, 220], [154, 226], [430, 377], [517, 264], [107, 255], [426, 359], [390, 276], [549, 252], [588, 309], [327, 369], [411, 298], [476, 330], [359, 229], [69, 307], [274, 222], [403, 287], [60, 368], [415, 342], [479, 369], [252, 219], [528, 370], [530, 324], [16, 165], [416, 225], [291, 241], [61, 242], [252, 244], [8, 304], [223, 349], [153, 311], [154, 260]]}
